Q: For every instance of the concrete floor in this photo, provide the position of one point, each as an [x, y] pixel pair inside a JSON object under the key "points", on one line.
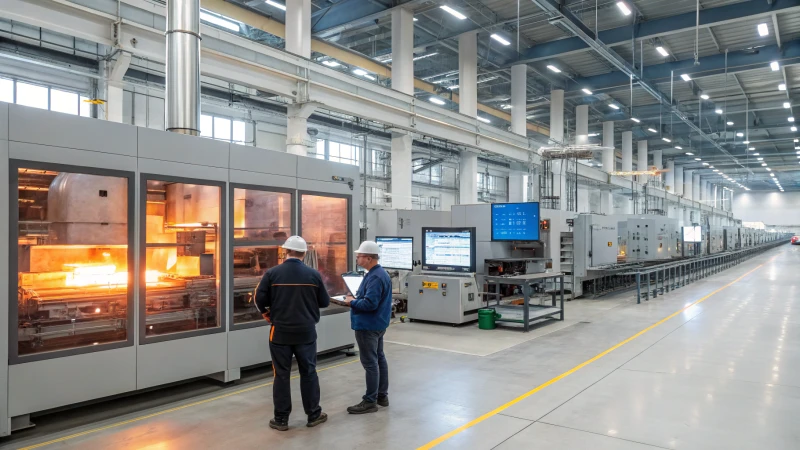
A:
{"points": [[724, 373]]}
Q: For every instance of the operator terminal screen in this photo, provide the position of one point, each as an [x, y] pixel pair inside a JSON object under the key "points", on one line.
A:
{"points": [[449, 250], [396, 252], [515, 221]]}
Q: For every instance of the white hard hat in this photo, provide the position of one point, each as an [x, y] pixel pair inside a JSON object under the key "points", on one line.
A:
{"points": [[368, 248], [295, 243]]}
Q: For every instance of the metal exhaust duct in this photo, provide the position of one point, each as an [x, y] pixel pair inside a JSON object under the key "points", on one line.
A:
{"points": [[183, 67]]}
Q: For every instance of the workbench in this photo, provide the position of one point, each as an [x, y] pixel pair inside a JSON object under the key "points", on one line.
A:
{"points": [[526, 313]]}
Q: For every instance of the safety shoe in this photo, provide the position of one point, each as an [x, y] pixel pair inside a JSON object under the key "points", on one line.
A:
{"points": [[318, 421], [279, 425], [383, 400], [363, 408]]}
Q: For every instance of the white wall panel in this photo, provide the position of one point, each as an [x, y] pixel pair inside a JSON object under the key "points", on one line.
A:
{"points": [[773, 208]]}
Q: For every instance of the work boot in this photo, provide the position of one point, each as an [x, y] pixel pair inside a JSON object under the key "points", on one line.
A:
{"points": [[280, 425], [363, 408], [383, 400], [318, 421]]}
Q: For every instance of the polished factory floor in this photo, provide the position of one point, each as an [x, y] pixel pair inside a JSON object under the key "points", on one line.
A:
{"points": [[712, 365]]}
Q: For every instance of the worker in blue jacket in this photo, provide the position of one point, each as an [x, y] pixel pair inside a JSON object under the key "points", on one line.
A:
{"points": [[290, 296], [370, 313]]}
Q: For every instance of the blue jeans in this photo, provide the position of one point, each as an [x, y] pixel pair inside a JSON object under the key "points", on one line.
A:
{"points": [[370, 349]]}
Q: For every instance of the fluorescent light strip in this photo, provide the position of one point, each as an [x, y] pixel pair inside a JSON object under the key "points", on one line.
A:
{"points": [[652, 130], [774, 66], [219, 21], [704, 96], [685, 77], [662, 50], [624, 8], [500, 39], [666, 139], [484, 120], [331, 63], [763, 30], [613, 106], [425, 56], [782, 87], [276, 4], [587, 91], [787, 105], [554, 68], [636, 120], [436, 100], [455, 13], [718, 111]]}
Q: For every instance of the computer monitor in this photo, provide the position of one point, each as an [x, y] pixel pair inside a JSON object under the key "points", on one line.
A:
{"points": [[396, 252], [448, 249], [692, 234], [515, 221]]}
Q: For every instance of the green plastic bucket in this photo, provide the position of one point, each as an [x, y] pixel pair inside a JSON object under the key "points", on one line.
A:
{"points": [[486, 319]]}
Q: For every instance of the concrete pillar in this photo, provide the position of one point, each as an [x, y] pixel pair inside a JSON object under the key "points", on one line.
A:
{"points": [[519, 99], [298, 27], [658, 162], [641, 162], [297, 141], [468, 74], [609, 163], [627, 152], [468, 178], [678, 188], [696, 186], [557, 115], [401, 170], [516, 187], [403, 50], [582, 124], [688, 191], [114, 71], [114, 102], [669, 185]]}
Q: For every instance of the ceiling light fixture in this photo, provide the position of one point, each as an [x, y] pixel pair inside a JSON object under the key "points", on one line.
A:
{"points": [[455, 13], [635, 120], [774, 66], [500, 39], [705, 163], [704, 96], [751, 149], [685, 77], [484, 120], [417, 58], [746, 142], [782, 87], [455, 86], [739, 134], [219, 21], [730, 124], [652, 130], [679, 147], [624, 8], [436, 100], [760, 159], [666, 139], [613, 106], [718, 111], [554, 68], [763, 30], [276, 4], [586, 91], [662, 50], [763, 164], [794, 128], [791, 119], [787, 105], [690, 153], [331, 63], [698, 159]]}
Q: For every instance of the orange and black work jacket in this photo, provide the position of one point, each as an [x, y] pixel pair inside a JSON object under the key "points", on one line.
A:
{"points": [[293, 293]]}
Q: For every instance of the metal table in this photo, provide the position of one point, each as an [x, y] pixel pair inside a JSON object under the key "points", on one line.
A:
{"points": [[526, 313]]}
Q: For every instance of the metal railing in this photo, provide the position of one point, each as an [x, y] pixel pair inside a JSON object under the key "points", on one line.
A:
{"points": [[662, 278]]}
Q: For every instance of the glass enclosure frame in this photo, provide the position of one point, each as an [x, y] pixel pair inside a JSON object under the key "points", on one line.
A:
{"points": [[233, 243], [349, 200], [13, 253], [222, 299]]}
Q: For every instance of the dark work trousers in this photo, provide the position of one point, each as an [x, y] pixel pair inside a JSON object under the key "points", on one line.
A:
{"points": [[370, 349], [306, 355]]}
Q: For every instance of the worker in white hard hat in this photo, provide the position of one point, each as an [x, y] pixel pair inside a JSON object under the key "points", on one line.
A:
{"points": [[290, 296], [370, 313]]}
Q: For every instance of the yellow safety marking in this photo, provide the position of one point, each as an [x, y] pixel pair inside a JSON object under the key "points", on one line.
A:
{"points": [[166, 411], [513, 402]]}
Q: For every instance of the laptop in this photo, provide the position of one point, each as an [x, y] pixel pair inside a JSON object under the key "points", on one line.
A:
{"points": [[353, 282]]}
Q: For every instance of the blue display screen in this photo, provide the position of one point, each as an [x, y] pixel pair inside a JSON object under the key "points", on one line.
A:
{"points": [[515, 221]]}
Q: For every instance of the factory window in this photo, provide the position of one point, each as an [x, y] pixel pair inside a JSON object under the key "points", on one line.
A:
{"points": [[182, 253], [262, 222], [223, 129], [324, 223], [343, 153], [42, 97], [72, 260], [320, 149]]}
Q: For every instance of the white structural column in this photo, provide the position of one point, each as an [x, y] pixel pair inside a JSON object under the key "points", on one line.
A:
{"points": [[113, 94], [669, 184], [678, 187], [696, 188], [658, 162], [519, 99], [516, 186], [607, 198], [627, 151], [608, 142], [468, 178], [401, 170], [582, 124], [468, 74], [298, 27], [403, 50], [641, 162], [688, 191], [297, 142], [557, 115]]}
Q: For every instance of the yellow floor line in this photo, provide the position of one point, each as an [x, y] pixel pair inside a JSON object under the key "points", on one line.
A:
{"points": [[166, 411], [513, 402]]}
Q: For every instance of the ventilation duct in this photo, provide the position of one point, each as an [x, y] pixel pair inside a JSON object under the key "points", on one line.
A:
{"points": [[183, 67]]}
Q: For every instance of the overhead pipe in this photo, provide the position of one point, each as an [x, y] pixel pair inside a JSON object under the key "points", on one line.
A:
{"points": [[182, 97]]}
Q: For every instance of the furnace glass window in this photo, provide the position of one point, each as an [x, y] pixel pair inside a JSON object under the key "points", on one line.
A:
{"points": [[261, 215], [182, 257], [249, 265], [72, 260], [324, 225]]}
